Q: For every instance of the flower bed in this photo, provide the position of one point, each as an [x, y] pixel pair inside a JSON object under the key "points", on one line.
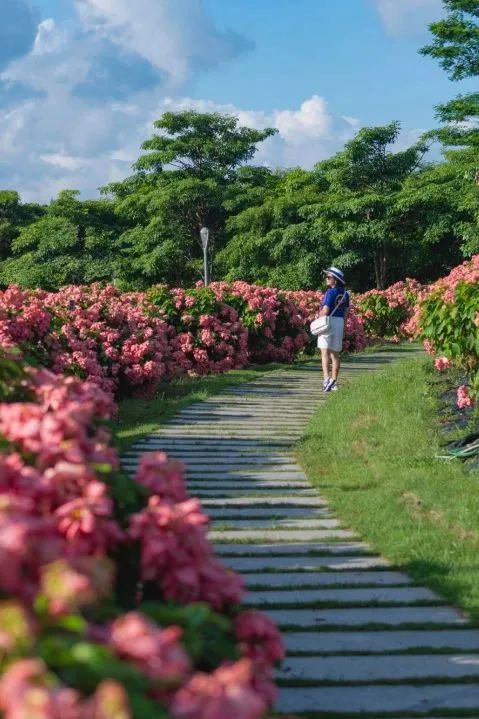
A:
{"points": [[386, 313], [447, 319], [276, 325], [114, 603], [209, 336]]}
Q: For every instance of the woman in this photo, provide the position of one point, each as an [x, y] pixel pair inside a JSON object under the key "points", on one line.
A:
{"points": [[335, 303]]}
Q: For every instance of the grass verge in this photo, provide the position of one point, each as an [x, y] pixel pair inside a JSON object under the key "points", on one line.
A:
{"points": [[139, 417], [372, 455]]}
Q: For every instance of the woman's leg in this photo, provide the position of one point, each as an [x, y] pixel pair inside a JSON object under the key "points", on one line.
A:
{"points": [[325, 362], [336, 362]]}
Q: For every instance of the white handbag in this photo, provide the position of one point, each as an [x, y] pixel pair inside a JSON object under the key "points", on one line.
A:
{"points": [[320, 326]]}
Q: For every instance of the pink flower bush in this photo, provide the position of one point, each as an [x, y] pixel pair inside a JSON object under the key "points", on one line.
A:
{"points": [[276, 324], [80, 555], [446, 319], [176, 554], [227, 693], [387, 313]]}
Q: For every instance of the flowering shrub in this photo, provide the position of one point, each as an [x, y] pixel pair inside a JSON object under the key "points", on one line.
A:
{"points": [[114, 603], [386, 313], [275, 324], [209, 336], [94, 333], [447, 320]]}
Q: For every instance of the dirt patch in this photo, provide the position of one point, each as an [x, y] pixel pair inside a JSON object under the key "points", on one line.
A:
{"points": [[364, 422]]}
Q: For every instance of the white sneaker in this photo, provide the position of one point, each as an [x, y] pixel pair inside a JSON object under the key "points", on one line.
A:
{"points": [[330, 385]]}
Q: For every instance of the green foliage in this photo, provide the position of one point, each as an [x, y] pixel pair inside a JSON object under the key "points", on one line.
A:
{"points": [[363, 211], [450, 324], [207, 636], [12, 376], [270, 241], [182, 184], [456, 39], [72, 243], [379, 317]]}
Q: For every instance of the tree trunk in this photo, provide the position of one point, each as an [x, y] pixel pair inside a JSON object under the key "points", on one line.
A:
{"points": [[380, 262]]}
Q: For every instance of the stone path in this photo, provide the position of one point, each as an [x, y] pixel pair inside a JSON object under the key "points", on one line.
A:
{"points": [[361, 637]]}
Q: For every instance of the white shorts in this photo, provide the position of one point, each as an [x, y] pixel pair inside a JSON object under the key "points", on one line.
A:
{"points": [[334, 339]]}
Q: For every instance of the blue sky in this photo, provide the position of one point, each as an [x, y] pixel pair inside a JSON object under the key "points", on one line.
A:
{"points": [[81, 81]]}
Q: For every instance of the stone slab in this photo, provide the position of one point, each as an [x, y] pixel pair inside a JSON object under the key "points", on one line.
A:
{"points": [[286, 523], [250, 485], [296, 551], [280, 512], [360, 616], [284, 580], [379, 642], [261, 493], [164, 443], [310, 563], [270, 502], [378, 698], [381, 668], [209, 457], [369, 595], [243, 473], [288, 501], [287, 535]]}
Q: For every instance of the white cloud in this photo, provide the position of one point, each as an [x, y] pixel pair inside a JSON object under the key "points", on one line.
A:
{"points": [[408, 16], [66, 162], [49, 38], [173, 35]]}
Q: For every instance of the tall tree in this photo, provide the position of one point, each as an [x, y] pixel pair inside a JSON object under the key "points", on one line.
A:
{"points": [[180, 185], [361, 210], [73, 242], [456, 45], [270, 240], [13, 216]]}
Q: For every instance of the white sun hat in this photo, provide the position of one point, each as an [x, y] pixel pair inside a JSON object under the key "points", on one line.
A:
{"points": [[337, 274]]}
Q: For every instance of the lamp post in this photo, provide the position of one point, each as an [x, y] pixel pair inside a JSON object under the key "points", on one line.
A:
{"points": [[205, 236]]}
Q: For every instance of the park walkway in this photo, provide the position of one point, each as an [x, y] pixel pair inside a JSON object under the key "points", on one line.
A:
{"points": [[360, 635]]}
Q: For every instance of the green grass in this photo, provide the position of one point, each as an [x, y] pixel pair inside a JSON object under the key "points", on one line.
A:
{"points": [[371, 452], [139, 417]]}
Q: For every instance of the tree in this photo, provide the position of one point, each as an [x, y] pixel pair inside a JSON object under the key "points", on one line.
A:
{"points": [[74, 242], [181, 184], [270, 241], [361, 210], [456, 45], [14, 215]]}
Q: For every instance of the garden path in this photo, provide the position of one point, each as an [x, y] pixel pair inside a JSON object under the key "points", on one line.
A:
{"points": [[360, 635]]}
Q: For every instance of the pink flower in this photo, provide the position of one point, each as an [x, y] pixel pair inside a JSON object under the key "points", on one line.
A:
{"points": [[442, 364], [162, 476], [463, 397], [225, 694], [155, 651], [259, 637], [26, 692], [86, 522]]}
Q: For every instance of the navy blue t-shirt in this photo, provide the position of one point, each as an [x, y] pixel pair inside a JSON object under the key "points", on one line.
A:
{"points": [[333, 297]]}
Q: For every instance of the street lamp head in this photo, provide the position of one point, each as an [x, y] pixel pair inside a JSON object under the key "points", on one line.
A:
{"points": [[205, 235]]}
